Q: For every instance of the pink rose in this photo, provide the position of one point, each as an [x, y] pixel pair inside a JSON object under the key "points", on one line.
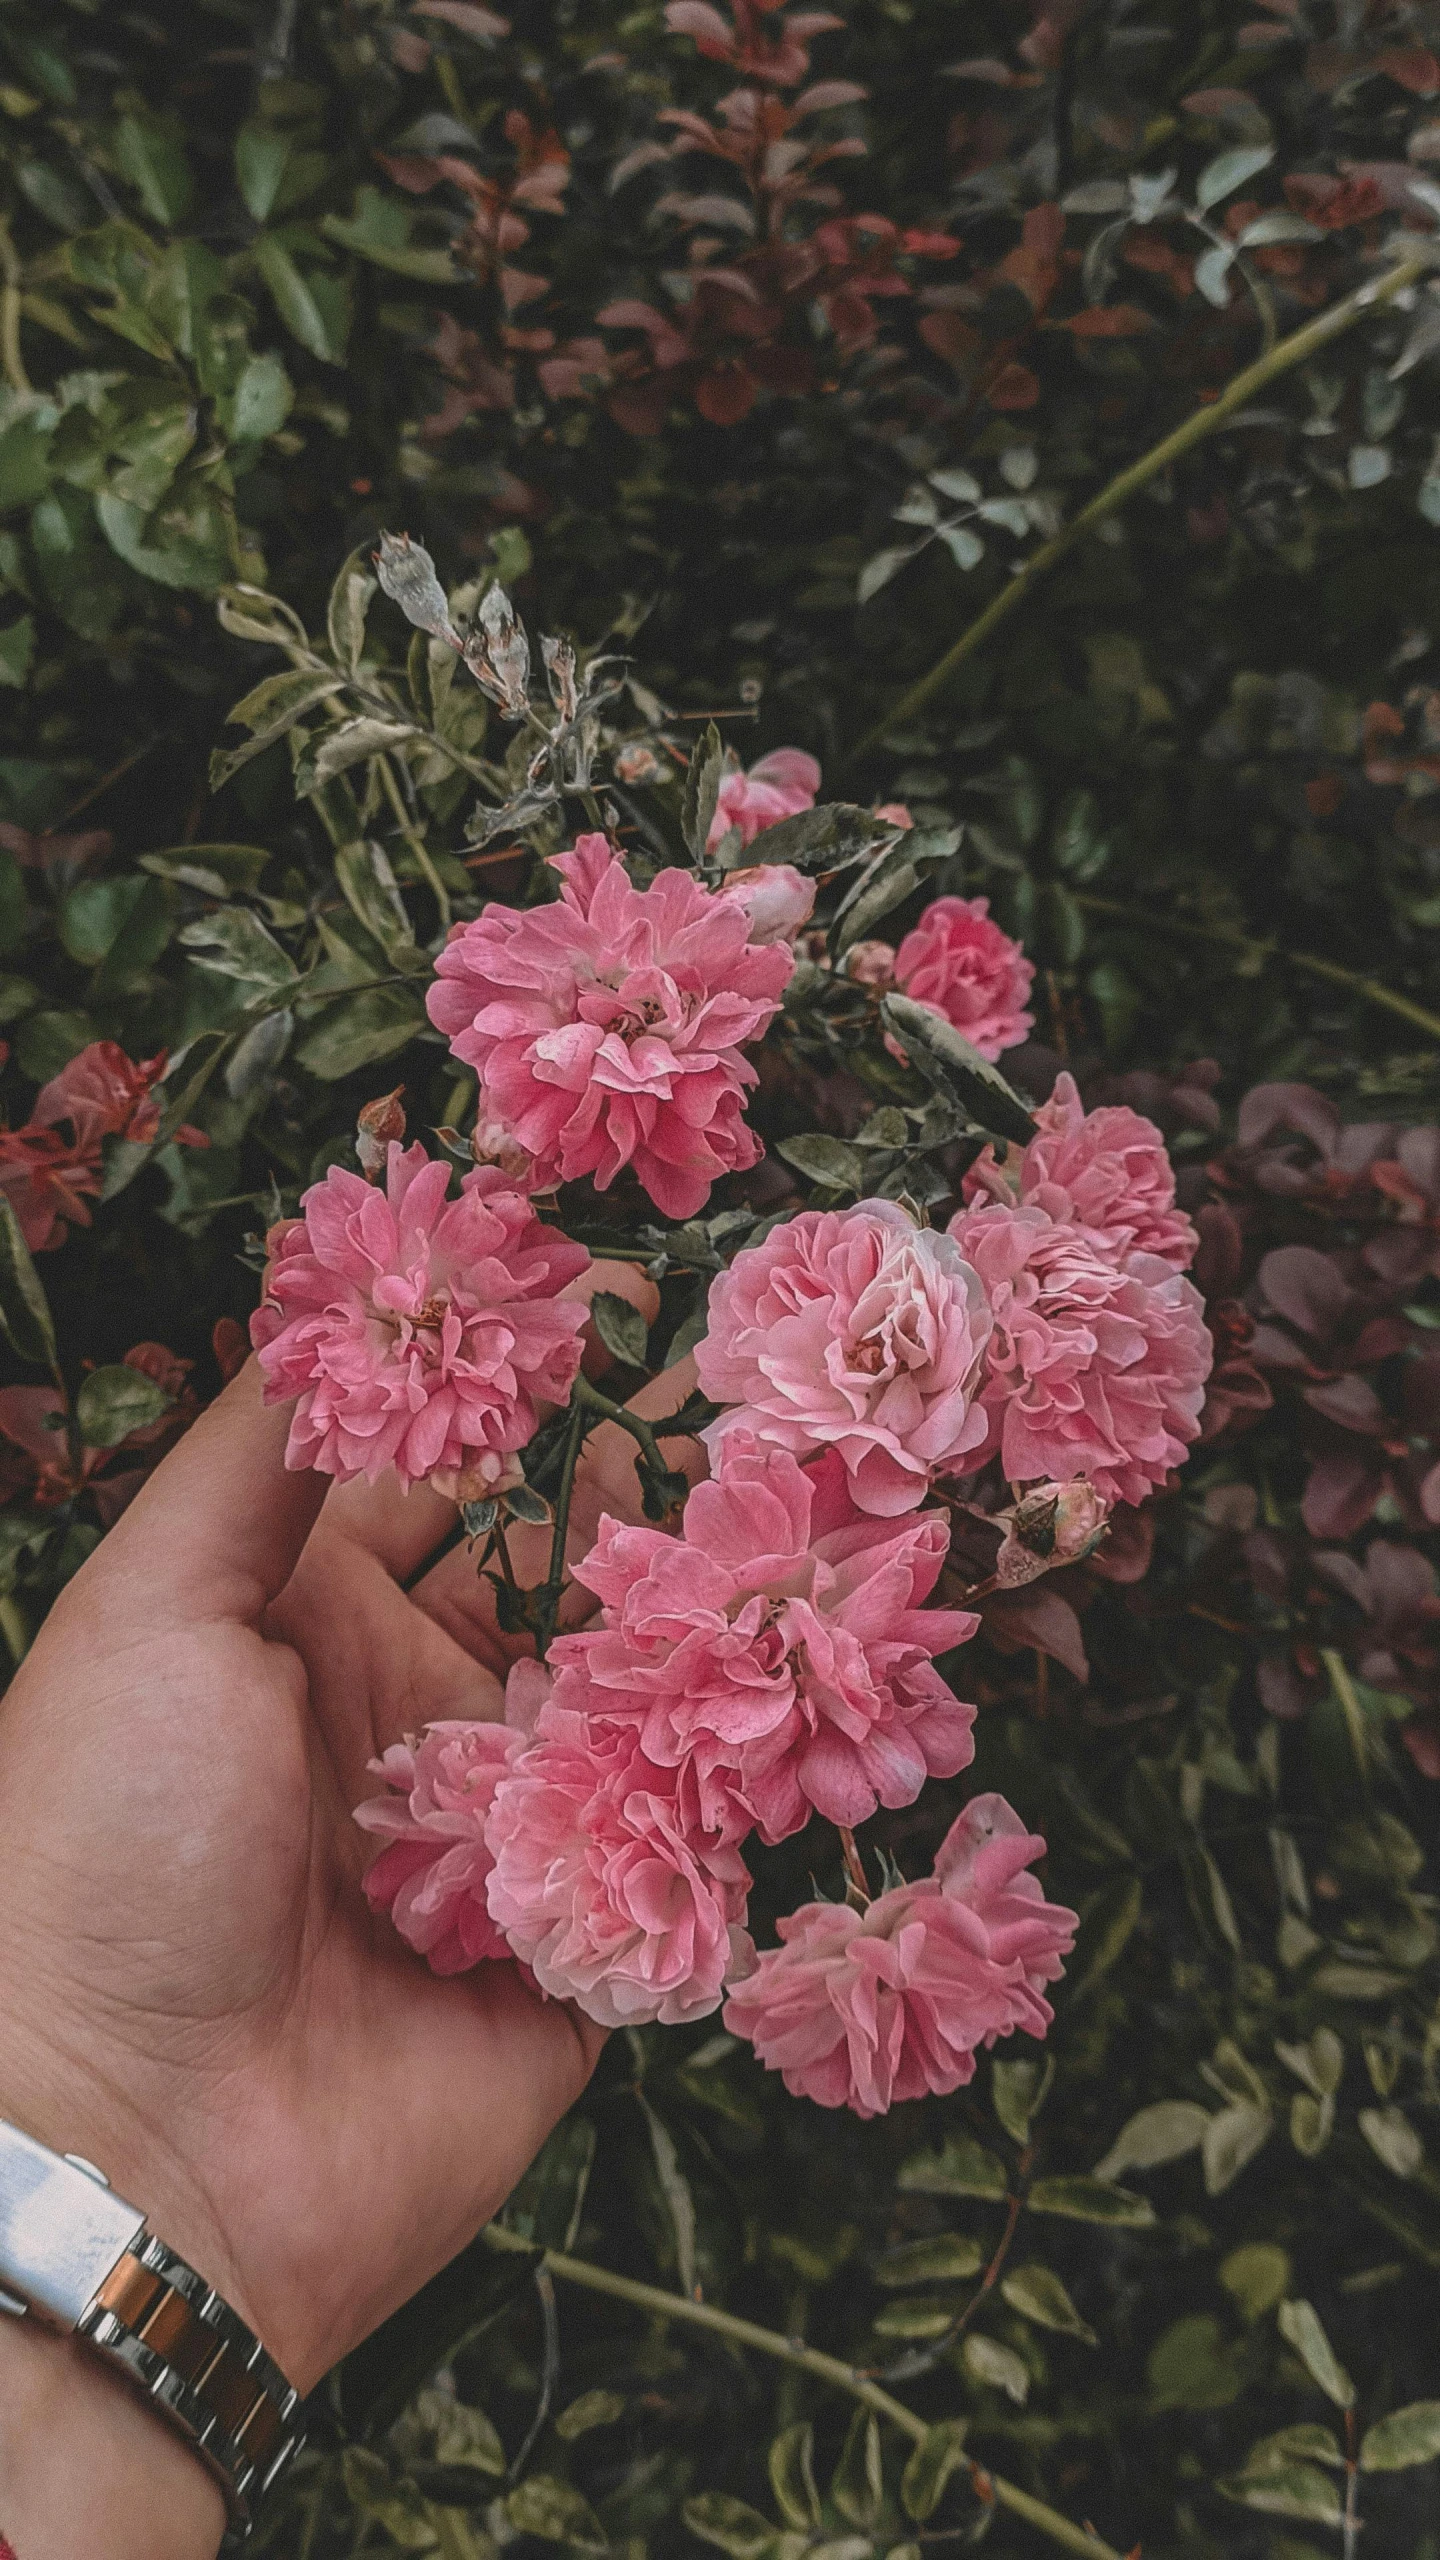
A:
{"points": [[852, 1329], [776, 897], [1104, 1171], [1090, 1370], [102, 1094], [963, 965], [415, 1331], [776, 1651], [863, 2009], [606, 1029], [432, 1877], [606, 1883], [779, 786]]}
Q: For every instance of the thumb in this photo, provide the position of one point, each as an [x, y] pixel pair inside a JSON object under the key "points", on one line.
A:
{"points": [[219, 1527]]}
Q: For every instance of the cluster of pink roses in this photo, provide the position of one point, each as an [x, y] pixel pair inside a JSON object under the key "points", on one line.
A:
{"points": [[775, 1659]]}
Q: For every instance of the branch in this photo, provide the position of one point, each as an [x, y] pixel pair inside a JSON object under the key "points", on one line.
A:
{"points": [[1230, 938], [768, 2342], [1193, 430], [11, 359]]}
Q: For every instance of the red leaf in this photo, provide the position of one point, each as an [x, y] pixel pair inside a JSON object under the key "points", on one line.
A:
{"points": [[1014, 386]]}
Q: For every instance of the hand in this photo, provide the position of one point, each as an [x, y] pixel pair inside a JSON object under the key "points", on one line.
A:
{"points": [[192, 1990]]}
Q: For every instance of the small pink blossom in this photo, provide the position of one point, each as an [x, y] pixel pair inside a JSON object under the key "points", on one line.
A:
{"points": [[606, 1028], [1104, 1171], [871, 964], [853, 1329], [1051, 1525], [896, 813], [864, 2009], [431, 1878], [605, 1881], [776, 897], [777, 1650], [415, 1331], [1090, 1370], [963, 965], [779, 786]]}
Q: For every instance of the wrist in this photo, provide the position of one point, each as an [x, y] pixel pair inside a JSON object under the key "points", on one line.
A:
{"points": [[86, 2467]]}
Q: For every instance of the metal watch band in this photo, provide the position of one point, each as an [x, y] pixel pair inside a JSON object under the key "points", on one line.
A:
{"points": [[82, 2259]]}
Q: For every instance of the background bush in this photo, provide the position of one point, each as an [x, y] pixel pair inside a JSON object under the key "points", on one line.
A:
{"points": [[774, 402]]}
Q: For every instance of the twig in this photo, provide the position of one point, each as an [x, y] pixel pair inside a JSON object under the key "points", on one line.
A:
{"points": [[546, 1600], [415, 841], [793, 2351], [11, 277], [1230, 938], [1193, 430]]}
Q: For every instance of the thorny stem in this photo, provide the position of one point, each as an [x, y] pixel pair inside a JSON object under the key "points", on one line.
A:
{"points": [[605, 1410], [1230, 938], [10, 281], [793, 2351], [1193, 430], [551, 1591]]}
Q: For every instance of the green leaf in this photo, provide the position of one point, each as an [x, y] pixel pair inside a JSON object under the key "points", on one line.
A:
{"points": [[675, 2189], [1159, 2133], [1407, 2436], [824, 1160], [948, 1062], [24, 1308], [1299, 2324], [1296, 2491], [1231, 2139], [939, 2453], [1256, 2277], [260, 402], [150, 152], [235, 944], [465, 2438], [1038, 2294], [919, 2316], [621, 1328], [552, 2510], [268, 711], [307, 303], [1195, 2366], [960, 2168], [116, 1400], [17, 650], [1091, 2200], [1393, 2139], [372, 893], [349, 603], [730, 2525], [947, 2259], [261, 153], [1221, 176], [822, 839], [1018, 2091], [702, 790], [996, 2367], [217, 870], [857, 2487], [792, 2476], [359, 1030], [379, 230], [592, 2409], [349, 743]]}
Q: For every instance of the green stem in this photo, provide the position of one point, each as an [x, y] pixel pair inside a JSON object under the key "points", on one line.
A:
{"points": [[10, 282], [1230, 938], [793, 2351], [1193, 430], [551, 1591], [605, 1410], [415, 841]]}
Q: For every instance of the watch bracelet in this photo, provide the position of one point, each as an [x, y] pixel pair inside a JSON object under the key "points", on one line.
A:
{"points": [[202, 2369]]}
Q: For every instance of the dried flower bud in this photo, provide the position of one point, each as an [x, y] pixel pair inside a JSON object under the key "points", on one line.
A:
{"points": [[379, 1123], [407, 574], [1050, 1525], [498, 654], [871, 964], [559, 659], [638, 764]]}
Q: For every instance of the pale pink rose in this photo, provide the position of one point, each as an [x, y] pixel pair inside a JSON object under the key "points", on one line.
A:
{"points": [[896, 813], [431, 1878], [776, 1650], [1051, 1525], [871, 964], [415, 1331], [963, 965], [776, 897], [852, 1329], [864, 2009], [1090, 1370], [606, 1883], [779, 786], [606, 1028], [1104, 1171]]}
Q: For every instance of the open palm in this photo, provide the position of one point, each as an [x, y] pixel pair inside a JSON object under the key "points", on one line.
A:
{"points": [[192, 1990]]}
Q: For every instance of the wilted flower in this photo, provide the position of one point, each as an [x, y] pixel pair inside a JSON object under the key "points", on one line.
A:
{"points": [[1090, 1370], [1105, 1172], [605, 1881], [779, 786], [606, 1029], [1050, 1525], [864, 2009], [963, 965], [415, 1331], [776, 1650], [852, 1329]]}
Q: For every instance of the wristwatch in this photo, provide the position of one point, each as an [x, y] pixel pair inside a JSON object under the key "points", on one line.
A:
{"points": [[79, 2258]]}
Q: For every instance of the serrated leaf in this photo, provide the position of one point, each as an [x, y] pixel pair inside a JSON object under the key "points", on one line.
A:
{"points": [[826, 1160], [698, 800], [1038, 2294], [939, 2453], [1407, 2436], [1300, 2325], [1157, 2134], [947, 2259], [621, 1328], [116, 1400], [948, 1062], [960, 2168], [792, 2476], [1091, 2200], [24, 1308]]}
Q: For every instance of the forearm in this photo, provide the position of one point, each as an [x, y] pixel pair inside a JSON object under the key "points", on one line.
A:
{"points": [[86, 2467]]}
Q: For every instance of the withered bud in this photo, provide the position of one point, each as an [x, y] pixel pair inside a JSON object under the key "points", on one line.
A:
{"points": [[559, 659], [497, 654], [407, 575], [638, 763], [379, 1122], [1050, 1525]]}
